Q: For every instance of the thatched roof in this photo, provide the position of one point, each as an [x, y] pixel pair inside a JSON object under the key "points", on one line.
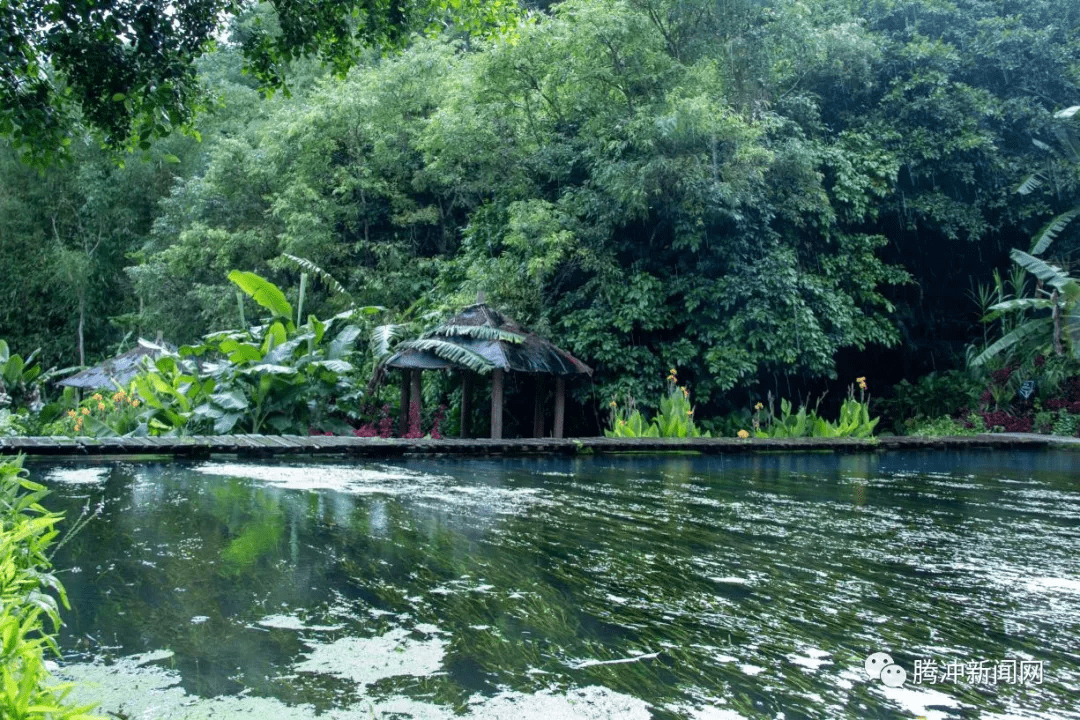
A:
{"points": [[116, 371], [510, 347]]}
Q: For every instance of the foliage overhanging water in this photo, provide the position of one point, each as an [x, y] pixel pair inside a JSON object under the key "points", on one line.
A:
{"points": [[628, 587]]}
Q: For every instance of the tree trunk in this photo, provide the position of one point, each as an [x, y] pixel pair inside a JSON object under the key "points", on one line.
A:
{"points": [[82, 326]]}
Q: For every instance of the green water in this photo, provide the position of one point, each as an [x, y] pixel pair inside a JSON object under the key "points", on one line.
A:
{"points": [[686, 587]]}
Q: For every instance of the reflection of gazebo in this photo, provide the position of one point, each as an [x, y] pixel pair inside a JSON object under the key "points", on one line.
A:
{"points": [[118, 370], [496, 343]]}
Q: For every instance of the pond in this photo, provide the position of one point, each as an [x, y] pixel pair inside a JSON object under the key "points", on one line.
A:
{"points": [[710, 588]]}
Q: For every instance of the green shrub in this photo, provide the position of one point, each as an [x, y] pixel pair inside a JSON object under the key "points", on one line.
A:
{"points": [[932, 396], [945, 426], [1066, 424], [28, 601]]}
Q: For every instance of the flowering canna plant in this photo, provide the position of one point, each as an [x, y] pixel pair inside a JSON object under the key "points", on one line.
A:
{"points": [[675, 419], [104, 414]]}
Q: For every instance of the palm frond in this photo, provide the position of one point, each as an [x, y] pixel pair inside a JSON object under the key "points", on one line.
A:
{"points": [[452, 352], [382, 339], [308, 266], [1068, 132], [1050, 274], [1072, 331], [1051, 230], [1008, 306], [1025, 331], [479, 332], [1031, 183]]}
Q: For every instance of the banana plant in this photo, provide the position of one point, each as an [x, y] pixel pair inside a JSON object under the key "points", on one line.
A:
{"points": [[1058, 295], [18, 388]]}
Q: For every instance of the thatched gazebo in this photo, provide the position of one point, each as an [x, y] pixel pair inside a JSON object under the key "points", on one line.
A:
{"points": [[117, 371], [482, 339]]}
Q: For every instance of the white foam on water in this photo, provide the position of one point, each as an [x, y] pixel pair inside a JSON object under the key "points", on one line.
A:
{"points": [[810, 663], [385, 480], [81, 476], [617, 661], [368, 660], [128, 689], [1042, 584], [751, 669], [920, 702], [291, 622], [731, 580], [706, 713], [355, 479]]}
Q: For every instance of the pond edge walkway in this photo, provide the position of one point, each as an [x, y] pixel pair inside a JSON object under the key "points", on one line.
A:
{"points": [[275, 445]]}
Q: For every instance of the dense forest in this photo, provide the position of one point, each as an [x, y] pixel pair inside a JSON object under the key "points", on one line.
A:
{"points": [[768, 195]]}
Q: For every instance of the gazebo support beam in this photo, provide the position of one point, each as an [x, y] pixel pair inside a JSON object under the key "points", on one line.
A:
{"points": [[538, 408], [497, 377], [466, 402], [560, 406], [403, 414], [415, 399]]}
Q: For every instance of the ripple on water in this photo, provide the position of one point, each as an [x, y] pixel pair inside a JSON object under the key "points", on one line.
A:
{"points": [[684, 589]]}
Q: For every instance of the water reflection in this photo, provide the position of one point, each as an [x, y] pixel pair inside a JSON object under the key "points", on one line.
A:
{"points": [[683, 587]]}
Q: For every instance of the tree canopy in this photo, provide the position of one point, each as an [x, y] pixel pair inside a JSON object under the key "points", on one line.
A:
{"points": [[762, 194], [126, 68]]}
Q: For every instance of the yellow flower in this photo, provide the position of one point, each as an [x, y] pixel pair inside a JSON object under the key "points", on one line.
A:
{"points": [[685, 393], [96, 396], [134, 403], [743, 434], [689, 412], [860, 380], [101, 406], [672, 371], [614, 404], [759, 406], [86, 411]]}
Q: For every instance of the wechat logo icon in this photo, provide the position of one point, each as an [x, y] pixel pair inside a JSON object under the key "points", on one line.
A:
{"points": [[880, 666]]}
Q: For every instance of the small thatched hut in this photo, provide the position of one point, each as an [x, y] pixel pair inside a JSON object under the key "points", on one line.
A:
{"points": [[481, 339], [118, 370]]}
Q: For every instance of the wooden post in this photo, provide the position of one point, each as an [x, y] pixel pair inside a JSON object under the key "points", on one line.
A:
{"points": [[466, 402], [497, 404], [403, 414], [415, 398], [538, 407], [560, 406]]}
